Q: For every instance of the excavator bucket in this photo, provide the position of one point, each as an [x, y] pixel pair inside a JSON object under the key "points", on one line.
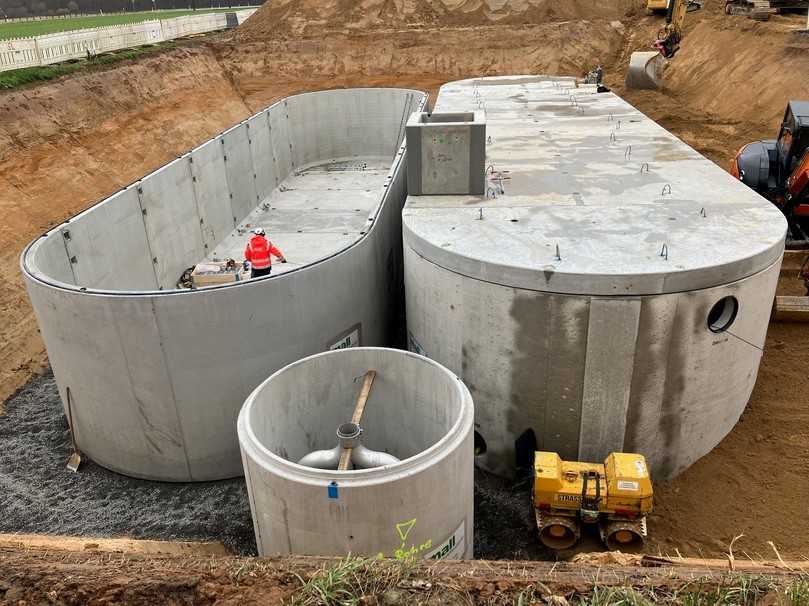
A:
{"points": [[644, 70]]}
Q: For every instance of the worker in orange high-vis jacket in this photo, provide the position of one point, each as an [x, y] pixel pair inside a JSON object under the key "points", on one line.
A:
{"points": [[259, 252]]}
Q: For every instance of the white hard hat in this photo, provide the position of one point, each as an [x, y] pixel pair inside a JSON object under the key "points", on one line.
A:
{"points": [[259, 231]]}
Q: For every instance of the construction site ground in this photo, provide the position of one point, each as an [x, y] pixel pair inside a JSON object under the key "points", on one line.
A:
{"points": [[67, 143]]}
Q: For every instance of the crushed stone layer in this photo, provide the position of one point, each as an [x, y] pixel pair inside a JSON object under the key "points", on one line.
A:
{"points": [[39, 496]]}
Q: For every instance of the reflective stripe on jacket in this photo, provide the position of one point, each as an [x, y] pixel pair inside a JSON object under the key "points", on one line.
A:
{"points": [[259, 251]]}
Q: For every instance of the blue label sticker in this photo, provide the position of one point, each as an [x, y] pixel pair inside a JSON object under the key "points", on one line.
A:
{"points": [[333, 493]]}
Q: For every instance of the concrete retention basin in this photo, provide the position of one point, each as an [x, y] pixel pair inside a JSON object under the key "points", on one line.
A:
{"points": [[157, 374], [612, 290]]}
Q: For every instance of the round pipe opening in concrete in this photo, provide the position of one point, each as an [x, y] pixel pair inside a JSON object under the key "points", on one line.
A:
{"points": [[419, 414], [414, 403], [723, 314]]}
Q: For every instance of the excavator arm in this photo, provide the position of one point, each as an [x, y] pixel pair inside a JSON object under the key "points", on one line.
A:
{"points": [[668, 39], [645, 68]]}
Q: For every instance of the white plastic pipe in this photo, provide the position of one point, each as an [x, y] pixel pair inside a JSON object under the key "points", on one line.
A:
{"points": [[348, 435]]}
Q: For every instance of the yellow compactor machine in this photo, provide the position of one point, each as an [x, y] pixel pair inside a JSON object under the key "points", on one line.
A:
{"points": [[616, 495]]}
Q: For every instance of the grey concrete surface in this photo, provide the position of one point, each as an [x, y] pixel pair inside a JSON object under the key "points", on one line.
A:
{"points": [[605, 346], [322, 208], [590, 174], [157, 374], [418, 411]]}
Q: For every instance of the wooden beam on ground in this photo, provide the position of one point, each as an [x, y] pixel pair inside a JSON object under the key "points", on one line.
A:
{"points": [[791, 309], [36, 541]]}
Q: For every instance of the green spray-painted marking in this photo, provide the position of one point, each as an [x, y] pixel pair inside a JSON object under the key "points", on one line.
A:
{"points": [[404, 528]]}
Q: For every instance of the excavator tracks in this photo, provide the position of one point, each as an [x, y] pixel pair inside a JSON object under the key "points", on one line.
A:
{"points": [[760, 10]]}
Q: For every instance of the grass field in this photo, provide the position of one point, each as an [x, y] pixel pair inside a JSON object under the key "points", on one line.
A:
{"points": [[24, 29], [27, 75]]}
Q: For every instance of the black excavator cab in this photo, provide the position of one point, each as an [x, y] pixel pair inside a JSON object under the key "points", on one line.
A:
{"points": [[793, 140], [766, 167]]}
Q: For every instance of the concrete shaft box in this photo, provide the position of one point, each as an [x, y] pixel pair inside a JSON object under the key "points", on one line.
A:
{"points": [[446, 153]]}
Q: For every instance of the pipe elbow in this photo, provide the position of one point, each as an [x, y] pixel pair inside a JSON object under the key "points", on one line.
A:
{"points": [[367, 459], [322, 459]]}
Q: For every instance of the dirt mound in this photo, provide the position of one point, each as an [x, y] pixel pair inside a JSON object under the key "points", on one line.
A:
{"points": [[742, 69], [310, 17]]}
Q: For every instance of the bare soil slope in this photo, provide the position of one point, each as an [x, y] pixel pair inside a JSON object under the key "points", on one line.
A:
{"points": [[296, 17]]}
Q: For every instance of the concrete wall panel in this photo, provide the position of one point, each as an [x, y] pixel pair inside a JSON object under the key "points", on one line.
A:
{"points": [[122, 418], [313, 134], [207, 165], [239, 167], [52, 258], [281, 141], [261, 148], [172, 221], [612, 335], [342, 138], [108, 247]]}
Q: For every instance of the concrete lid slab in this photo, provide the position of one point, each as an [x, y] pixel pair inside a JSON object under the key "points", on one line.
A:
{"points": [[587, 195]]}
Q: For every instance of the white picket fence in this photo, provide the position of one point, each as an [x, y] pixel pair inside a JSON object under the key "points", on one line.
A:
{"points": [[17, 53]]}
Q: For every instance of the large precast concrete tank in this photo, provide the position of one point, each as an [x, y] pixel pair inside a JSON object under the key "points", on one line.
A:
{"points": [[157, 373], [610, 292], [418, 412]]}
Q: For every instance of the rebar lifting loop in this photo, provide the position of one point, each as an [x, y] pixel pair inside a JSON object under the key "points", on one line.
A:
{"points": [[703, 213], [666, 190], [558, 254], [628, 152], [612, 137], [664, 252], [645, 165]]}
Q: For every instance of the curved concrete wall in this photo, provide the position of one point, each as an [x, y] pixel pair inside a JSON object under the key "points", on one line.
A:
{"points": [[418, 411], [157, 376], [592, 375]]}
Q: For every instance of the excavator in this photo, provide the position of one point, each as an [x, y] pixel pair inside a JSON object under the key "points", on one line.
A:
{"points": [[645, 67], [778, 169]]}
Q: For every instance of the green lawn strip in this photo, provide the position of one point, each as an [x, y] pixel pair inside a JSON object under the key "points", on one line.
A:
{"points": [[20, 77], [25, 29]]}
